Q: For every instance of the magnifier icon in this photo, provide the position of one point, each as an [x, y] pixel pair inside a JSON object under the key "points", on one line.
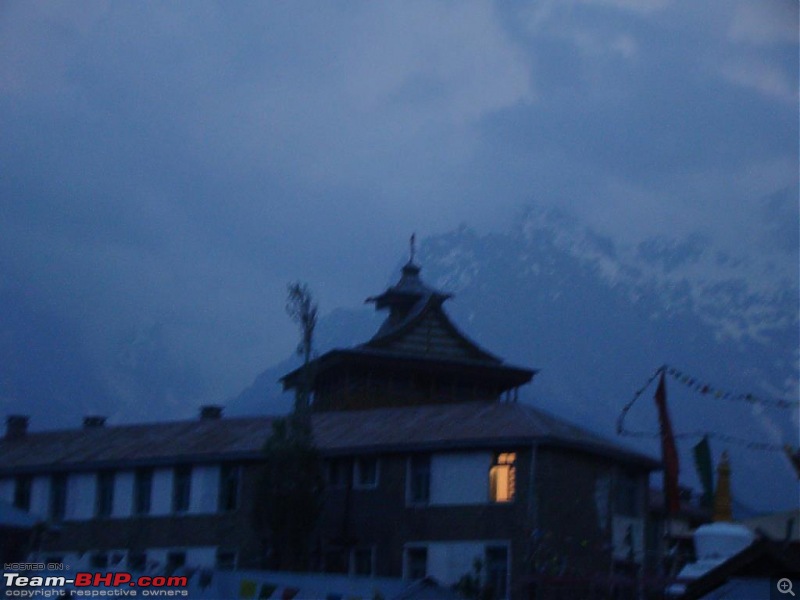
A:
{"points": [[785, 586]]}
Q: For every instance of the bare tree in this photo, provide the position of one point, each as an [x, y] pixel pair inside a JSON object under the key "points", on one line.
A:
{"points": [[302, 309], [291, 483]]}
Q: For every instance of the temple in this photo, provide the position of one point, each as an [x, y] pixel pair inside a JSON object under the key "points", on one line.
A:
{"points": [[417, 357]]}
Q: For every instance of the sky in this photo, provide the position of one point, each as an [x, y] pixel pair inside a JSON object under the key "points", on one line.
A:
{"points": [[174, 166]]}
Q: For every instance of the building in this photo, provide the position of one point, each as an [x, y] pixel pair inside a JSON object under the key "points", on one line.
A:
{"points": [[431, 464]]}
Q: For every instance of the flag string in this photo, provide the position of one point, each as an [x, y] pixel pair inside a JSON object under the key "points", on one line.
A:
{"points": [[707, 389], [704, 389]]}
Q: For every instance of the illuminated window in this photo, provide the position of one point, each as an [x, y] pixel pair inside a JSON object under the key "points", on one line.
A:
{"points": [[503, 477]]}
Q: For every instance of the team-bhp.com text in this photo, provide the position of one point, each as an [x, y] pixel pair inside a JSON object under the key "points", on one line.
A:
{"points": [[95, 585]]}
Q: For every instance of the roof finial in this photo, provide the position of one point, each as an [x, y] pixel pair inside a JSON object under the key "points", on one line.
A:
{"points": [[413, 245]]}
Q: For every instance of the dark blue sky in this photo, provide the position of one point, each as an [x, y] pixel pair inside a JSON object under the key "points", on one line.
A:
{"points": [[175, 165]]}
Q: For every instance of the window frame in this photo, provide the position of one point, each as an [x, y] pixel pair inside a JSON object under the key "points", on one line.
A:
{"points": [[354, 561], [99, 560], [142, 491], [136, 560], [221, 551], [181, 489], [628, 495], [23, 488], [487, 563], [412, 472], [339, 472], [57, 502], [358, 484], [230, 487], [407, 562], [170, 565], [104, 494]]}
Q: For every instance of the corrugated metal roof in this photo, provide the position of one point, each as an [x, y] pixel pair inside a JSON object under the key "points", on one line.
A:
{"points": [[142, 443], [463, 425]]}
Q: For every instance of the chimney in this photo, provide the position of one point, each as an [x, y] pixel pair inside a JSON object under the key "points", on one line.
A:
{"points": [[16, 426], [210, 412], [93, 421]]}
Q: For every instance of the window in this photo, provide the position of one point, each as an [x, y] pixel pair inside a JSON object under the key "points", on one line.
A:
{"points": [[336, 560], [137, 561], [22, 492], [175, 560], [181, 488], [419, 479], [363, 560], [142, 491], [366, 472], [226, 559], [229, 487], [416, 562], [503, 477], [104, 496], [58, 496], [626, 500], [497, 571], [338, 472], [99, 560]]}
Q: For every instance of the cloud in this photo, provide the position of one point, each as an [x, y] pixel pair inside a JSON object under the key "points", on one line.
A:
{"points": [[765, 23], [169, 167], [763, 77]]}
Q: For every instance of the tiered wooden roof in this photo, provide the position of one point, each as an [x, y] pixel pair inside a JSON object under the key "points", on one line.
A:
{"points": [[416, 346]]}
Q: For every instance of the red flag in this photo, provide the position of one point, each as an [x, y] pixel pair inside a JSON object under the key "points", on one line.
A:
{"points": [[669, 452]]}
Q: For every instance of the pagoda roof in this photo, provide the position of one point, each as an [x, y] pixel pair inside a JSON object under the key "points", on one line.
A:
{"points": [[417, 333], [506, 376], [410, 288]]}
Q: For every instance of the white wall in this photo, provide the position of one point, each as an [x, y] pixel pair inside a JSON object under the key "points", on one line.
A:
{"points": [[156, 558], [123, 494], [460, 478], [205, 489], [198, 556], [449, 561], [161, 499], [203, 556], [7, 490], [40, 495], [81, 492]]}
